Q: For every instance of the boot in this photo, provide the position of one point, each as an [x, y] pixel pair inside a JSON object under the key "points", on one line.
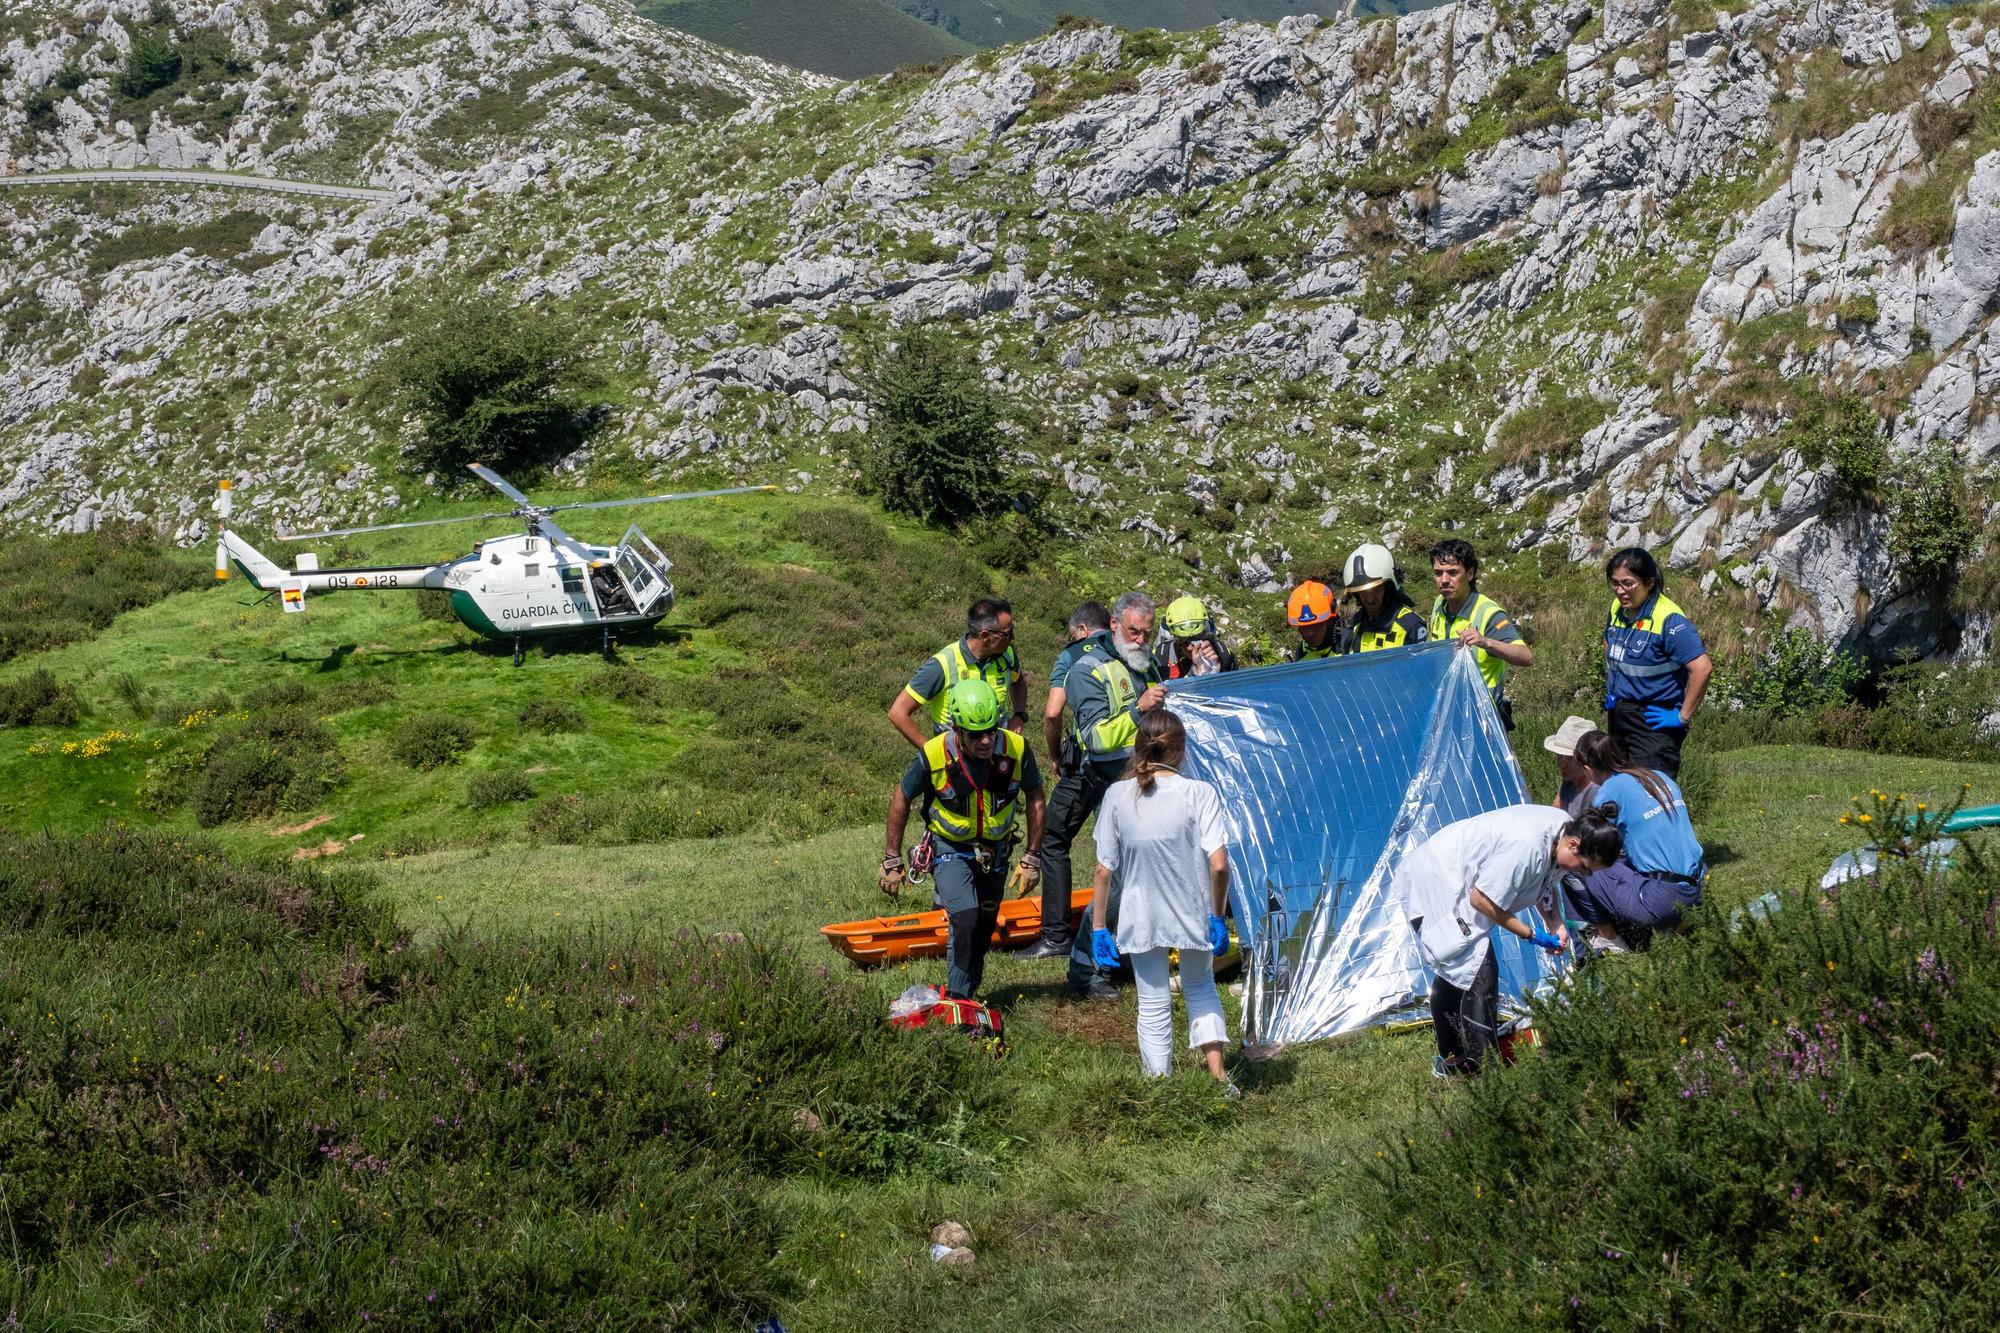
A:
{"points": [[1046, 948]]}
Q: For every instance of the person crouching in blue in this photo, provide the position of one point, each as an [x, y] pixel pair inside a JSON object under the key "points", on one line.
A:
{"points": [[1661, 871]]}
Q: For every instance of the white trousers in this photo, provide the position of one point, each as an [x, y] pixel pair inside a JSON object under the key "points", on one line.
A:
{"points": [[1156, 1006]]}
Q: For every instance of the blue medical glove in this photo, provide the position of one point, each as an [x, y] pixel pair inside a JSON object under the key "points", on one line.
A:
{"points": [[1104, 948], [1610, 701], [1547, 941], [1218, 936], [1659, 719]]}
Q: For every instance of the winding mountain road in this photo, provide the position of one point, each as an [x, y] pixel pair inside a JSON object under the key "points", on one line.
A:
{"points": [[156, 176]]}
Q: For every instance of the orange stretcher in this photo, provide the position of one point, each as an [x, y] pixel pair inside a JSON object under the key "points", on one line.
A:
{"points": [[897, 939]]}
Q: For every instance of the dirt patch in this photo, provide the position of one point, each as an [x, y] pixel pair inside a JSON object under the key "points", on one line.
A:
{"points": [[290, 830], [1099, 1021], [331, 847]]}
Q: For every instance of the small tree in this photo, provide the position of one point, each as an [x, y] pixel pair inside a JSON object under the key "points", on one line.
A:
{"points": [[933, 444], [491, 384], [1931, 530], [1797, 676], [150, 65]]}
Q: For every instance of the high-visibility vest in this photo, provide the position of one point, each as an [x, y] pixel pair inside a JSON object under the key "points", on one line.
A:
{"points": [[1639, 649], [1110, 737], [1480, 611], [999, 672], [961, 810], [1331, 648]]}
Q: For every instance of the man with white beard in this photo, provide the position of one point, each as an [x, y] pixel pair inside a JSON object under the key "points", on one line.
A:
{"points": [[1111, 681]]}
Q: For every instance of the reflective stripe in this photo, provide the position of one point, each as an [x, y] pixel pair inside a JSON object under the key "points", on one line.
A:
{"points": [[999, 672], [953, 809], [1617, 660], [1480, 612], [1112, 736]]}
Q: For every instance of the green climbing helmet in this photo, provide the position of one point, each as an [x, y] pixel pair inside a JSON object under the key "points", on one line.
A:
{"points": [[1187, 618], [973, 706]]}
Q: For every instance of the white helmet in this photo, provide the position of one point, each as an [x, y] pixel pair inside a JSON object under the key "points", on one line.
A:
{"points": [[1368, 567]]}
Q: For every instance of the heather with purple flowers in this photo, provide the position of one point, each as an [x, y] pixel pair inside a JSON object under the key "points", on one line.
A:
{"points": [[1748, 1127]]}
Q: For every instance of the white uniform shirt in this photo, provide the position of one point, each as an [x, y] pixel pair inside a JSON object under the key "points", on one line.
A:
{"points": [[1157, 849], [1507, 854]]}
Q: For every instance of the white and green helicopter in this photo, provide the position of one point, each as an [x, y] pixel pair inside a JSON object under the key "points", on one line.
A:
{"points": [[541, 582]]}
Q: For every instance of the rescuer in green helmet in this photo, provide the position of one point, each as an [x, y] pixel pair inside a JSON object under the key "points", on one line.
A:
{"points": [[973, 780], [1189, 646]]}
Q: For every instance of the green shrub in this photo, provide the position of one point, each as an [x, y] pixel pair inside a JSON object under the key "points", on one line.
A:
{"points": [[283, 759], [499, 787], [38, 699], [150, 65], [257, 1092], [1551, 426], [1796, 675], [71, 76], [133, 692], [1844, 436], [554, 714], [40, 106], [1931, 527], [623, 683], [932, 449], [431, 740], [1860, 309], [356, 692], [62, 589], [491, 383], [434, 604], [1753, 1125]]}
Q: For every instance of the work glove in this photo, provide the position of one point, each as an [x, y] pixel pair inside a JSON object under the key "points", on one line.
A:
{"points": [[1660, 719], [1027, 873], [1104, 948], [890, 878], [1218, 935], [1543, 939]]}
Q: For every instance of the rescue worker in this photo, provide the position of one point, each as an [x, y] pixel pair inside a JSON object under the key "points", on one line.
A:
{"points": [[1479, 873], [1109, 684], [1387, 618], [1656, 668], [973, 779], [1189, 647], [1312, 612], [1464, 613], [1089, 618], [985, 653]]}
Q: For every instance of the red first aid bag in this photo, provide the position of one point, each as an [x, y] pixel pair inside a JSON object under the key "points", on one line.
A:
{"points": [[970, 1016]]}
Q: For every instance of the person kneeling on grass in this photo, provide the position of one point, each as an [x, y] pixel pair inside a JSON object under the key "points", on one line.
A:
{"points": [[1161, 837], [1662, 868], [1479, 873]]}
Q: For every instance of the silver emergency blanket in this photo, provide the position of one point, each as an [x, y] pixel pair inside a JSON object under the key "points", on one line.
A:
{"points": [[1329, 772]]}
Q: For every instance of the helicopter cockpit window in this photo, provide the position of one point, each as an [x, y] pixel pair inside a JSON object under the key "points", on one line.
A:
{"points": [[572, 580]]}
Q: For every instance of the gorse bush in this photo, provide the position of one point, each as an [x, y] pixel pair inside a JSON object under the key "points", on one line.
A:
{"points": [[246, 1092], [1750, 1127], [499, 787], [38, 699], [279, 759], [933, 445], [431, 740], [553, 715]]}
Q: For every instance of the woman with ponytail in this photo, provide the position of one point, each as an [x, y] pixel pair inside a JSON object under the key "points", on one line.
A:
{"points": [[1480, 873], [1662, 869], [1162, 882]]}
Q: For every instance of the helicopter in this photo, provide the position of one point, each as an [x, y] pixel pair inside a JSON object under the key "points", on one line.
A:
{"points": [[538, 583]]}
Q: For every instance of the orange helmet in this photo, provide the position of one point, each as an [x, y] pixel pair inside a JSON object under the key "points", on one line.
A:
{"points": [[1311, 604]]}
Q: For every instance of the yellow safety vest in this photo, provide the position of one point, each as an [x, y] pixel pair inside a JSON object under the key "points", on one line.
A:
{"points": [[1000, 673], [1480, 612], [1113, 735], [960, 810]]}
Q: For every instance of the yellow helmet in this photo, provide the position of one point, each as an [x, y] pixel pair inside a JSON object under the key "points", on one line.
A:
{"points": [[1187, 618]]}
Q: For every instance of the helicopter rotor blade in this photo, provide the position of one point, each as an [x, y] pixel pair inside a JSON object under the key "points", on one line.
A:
{"points": [[386, 527], [655, 499], [500, 484]]}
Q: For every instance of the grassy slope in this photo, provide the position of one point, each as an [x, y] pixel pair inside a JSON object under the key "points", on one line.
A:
{"points": [[846, 38], [1088, 1210]]}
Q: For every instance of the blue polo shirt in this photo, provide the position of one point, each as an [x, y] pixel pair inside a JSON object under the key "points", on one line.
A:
{"points": [[1060, 671], [1657, 839], [1646, 656]]}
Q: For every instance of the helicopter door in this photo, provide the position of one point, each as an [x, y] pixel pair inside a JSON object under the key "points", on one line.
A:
{"points": [[643, 569]]}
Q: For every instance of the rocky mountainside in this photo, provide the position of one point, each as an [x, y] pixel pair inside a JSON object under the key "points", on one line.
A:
{"points": [[351, 91], [1717, 279]]}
